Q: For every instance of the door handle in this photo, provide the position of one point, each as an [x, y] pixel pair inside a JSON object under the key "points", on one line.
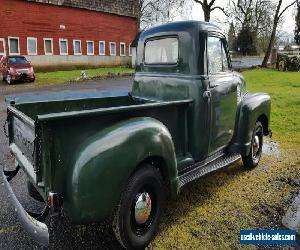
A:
{"points": [[214, 86], [207, 94]]}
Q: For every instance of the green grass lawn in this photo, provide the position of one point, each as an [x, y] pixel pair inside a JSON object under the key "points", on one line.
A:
{"points": [[210, 212], [284, 88], [60, 77], [65, 76]]}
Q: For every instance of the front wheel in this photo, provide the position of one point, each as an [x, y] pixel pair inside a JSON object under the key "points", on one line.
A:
{"points": [[253, 158], [8, 79], [137, 215]]}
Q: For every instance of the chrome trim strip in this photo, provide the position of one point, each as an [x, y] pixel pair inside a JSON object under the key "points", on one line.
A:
{"points": [[37, 230]]}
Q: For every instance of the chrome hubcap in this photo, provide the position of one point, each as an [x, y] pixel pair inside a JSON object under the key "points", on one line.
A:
{"points": [[142, 208], [255, 145]]}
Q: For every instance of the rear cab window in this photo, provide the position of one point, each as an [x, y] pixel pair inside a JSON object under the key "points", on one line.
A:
{"points": [[161, 51]]}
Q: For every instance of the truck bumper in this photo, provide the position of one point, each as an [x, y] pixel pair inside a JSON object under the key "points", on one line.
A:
{"points": [[37, 230]]}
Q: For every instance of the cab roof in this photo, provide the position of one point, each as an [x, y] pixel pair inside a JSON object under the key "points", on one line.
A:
{"points": [[181, 27], [177, 27]]}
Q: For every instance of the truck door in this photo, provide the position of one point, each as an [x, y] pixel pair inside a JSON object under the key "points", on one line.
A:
{"points": [[222, 91]]}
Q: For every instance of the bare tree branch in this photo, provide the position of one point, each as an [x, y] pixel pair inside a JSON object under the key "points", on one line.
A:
{"points": [[211, 3], [222, 9], [285, 9], [208, 7]]}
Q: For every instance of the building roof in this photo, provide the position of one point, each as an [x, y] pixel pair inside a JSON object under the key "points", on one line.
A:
{"points": [[118, 7]]}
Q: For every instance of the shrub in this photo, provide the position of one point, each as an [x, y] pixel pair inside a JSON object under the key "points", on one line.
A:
{"points": [[286, 63]]}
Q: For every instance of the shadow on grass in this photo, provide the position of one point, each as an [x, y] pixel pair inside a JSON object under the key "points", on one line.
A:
{"points": [[197, 193], [65, 235]]}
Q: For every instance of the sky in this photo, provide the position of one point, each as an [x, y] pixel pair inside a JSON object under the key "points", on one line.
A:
{"points": [[218, 17]]}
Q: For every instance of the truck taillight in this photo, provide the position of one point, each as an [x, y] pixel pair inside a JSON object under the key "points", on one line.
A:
{"points": [[54, 201]]}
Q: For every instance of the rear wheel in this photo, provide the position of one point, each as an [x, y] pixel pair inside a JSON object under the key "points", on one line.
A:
{"points": [[137, 215], [253, 158]]}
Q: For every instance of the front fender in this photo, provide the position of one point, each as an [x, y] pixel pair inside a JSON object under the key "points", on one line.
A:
{"points": [[250, 109], [107, 159]]}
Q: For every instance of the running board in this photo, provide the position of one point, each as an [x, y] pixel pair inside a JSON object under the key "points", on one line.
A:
{"points": [[203, 169]]}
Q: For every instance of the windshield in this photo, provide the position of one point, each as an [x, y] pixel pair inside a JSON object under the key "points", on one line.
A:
{"points": [[17, 60]]}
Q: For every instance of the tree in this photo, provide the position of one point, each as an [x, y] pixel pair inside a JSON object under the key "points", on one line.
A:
{"points": [[277, 17], [146, 10], [245, 42], [252, 17], [231, 37], [297, 29], [209, 7], [158, 11]]}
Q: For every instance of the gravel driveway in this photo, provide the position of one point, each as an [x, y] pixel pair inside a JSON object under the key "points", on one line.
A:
{"points": [[12, 235]]}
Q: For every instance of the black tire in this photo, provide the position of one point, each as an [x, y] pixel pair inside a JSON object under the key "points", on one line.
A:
{"points": [[33, 192], [253, 158], [144, 183]]}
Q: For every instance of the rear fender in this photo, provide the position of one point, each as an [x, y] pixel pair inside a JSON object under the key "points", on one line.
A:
{"points": [[105, 161], [253, 107]]}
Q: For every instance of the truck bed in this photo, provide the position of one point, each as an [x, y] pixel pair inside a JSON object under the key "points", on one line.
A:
{"points": [[44, 130], [34, 106]]}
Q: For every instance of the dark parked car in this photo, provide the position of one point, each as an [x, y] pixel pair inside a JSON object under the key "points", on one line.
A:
{"points": [[16, 68]]}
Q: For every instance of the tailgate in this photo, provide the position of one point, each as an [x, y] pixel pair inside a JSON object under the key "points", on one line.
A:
{"points": [[22, 139]]}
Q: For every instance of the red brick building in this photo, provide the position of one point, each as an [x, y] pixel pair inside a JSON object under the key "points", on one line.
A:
{"points": [[68, 32]]}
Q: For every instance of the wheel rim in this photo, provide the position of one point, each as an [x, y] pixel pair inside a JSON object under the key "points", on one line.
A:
{"points": [[142, 208], [8, 79], [257, 144], [143, 211]]}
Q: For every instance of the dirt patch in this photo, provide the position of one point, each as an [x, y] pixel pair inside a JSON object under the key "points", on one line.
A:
{"points": [[271, 148]]}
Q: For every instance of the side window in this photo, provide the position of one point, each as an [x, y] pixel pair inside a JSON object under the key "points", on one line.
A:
{"points": [[217, 59], [224, 58]]}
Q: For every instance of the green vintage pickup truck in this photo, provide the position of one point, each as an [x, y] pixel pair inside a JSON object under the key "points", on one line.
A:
{"points": [[121, 155]]}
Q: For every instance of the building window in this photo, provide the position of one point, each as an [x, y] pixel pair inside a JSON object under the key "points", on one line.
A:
{"points": [[122, 49], [2, 47], [48, 46], [63, 47], [129, 50], [14, 45], [112, 48], [90, 48], [31, 46], [77, 47], [102, 48]]}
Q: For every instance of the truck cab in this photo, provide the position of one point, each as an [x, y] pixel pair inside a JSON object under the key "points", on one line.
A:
{"points": [[120, 155]]}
